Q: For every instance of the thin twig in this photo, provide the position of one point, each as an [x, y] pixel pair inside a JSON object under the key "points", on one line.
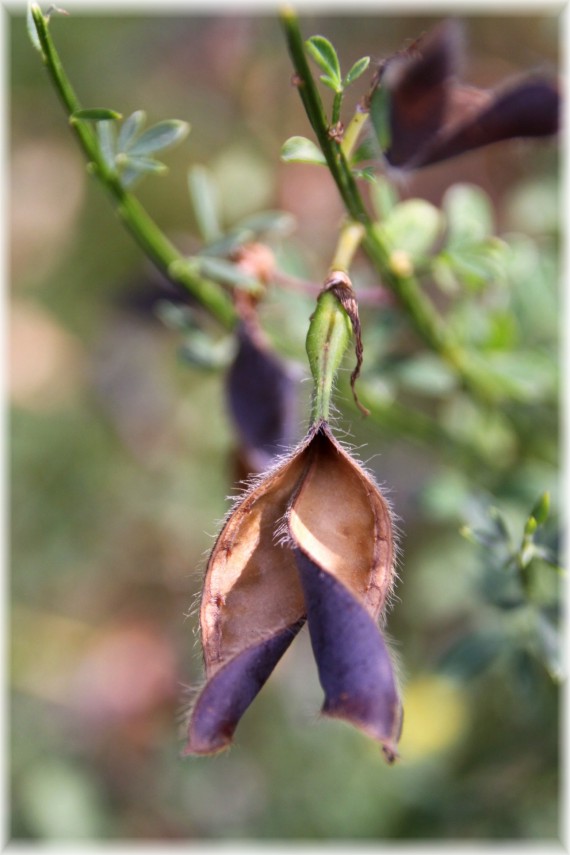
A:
{"points": [[142, 227], [419, 309]]}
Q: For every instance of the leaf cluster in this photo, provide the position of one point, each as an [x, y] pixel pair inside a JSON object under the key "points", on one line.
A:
{"points": [[128, 150]]}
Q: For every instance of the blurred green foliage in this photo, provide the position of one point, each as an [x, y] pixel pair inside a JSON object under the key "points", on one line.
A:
{"points": [[121, 456]]}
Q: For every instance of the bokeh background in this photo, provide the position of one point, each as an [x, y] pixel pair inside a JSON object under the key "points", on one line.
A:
{"points": [[121, 461]]}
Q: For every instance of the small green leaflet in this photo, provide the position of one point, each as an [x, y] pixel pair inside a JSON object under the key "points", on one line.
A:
{"points": [[326, 58], [301, 150], [96, 115]]}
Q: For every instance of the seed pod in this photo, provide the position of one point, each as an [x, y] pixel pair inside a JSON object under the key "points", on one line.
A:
{"points": [[252, 607], [422, 114], [341, 529], [261, 399], [312, 538]]}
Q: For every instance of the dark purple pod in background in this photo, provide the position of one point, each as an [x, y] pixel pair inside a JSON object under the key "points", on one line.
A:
{"points": [[262, 399], [422, 114]]}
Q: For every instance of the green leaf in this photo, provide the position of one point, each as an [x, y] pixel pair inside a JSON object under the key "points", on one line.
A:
{"points": [[499, 525], [479, 263], [130, 177], [541, 509], [96, 115], [367, 150], [470, 655], [331, 82], [324, 54], [107, 137], [31, 26], [443, 274], [368, 173], [426, 374], [130, 128], [549, 643], [268, 222], [534, 206], [227, 244], [494, 536], [469, 214], [530, 526], [226, 272], [143, 164], [357, 70], [549, 556], [413, 227], [135, 168], [61, 802], [301, 150], [204, 196], [384, 197], [159, 137], [527, 376], [200, 351], [175, 316]]}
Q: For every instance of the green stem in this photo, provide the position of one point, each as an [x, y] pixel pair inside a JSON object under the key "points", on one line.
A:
{"points": [[142, 227], [317, 117], [337, 102], [352, 133], [349, 240], [421, 312]]}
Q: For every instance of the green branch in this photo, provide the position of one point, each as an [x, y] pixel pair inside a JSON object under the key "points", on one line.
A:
{"points": [[421, 312], [142, 227], [317, 117]]}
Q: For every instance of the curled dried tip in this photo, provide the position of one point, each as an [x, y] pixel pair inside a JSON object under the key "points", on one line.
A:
{"points": [[390, 753], [337, 279], [340, 285]]}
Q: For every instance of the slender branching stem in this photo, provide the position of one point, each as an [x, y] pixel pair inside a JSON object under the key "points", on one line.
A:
{"points": [[142, 227], [419, 309]]}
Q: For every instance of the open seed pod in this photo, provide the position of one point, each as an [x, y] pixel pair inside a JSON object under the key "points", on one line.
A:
{"points": [[311, 539]]}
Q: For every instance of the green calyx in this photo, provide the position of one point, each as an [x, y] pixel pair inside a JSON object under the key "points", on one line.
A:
{"points": [[329, 335]]}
